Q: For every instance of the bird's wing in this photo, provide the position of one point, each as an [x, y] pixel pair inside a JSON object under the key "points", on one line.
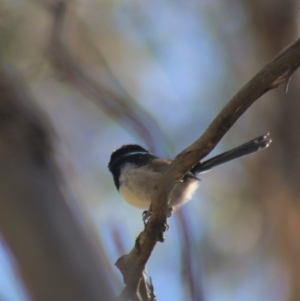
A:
{"points": [[160, 165]]}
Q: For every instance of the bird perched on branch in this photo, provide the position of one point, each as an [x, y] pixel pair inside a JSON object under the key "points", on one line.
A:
{"points": [[136, 171]]}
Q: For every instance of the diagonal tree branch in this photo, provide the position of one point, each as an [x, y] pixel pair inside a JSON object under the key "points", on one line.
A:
{"points": [[277, 72]]}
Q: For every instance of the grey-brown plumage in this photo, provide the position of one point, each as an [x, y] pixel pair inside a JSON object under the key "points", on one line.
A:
{"points": [[135, 172]]}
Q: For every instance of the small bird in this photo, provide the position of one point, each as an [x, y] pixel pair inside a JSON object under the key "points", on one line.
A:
{"points": [[135, 172]]}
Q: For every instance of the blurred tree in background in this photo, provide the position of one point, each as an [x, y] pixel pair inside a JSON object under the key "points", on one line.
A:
{"points": [[156, 73]]}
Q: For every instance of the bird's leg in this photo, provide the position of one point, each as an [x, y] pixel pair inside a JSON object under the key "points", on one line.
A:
{"points": [[170, 211], [146, 215]]}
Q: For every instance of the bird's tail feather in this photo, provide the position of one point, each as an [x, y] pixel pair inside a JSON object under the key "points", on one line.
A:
{"points": [[247, 148]]}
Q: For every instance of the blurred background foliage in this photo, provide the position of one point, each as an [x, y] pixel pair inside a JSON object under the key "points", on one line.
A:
{"points": [[155, 73]]}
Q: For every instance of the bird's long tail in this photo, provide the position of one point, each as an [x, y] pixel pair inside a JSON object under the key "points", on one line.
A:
{"points": [[247, 148]]}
